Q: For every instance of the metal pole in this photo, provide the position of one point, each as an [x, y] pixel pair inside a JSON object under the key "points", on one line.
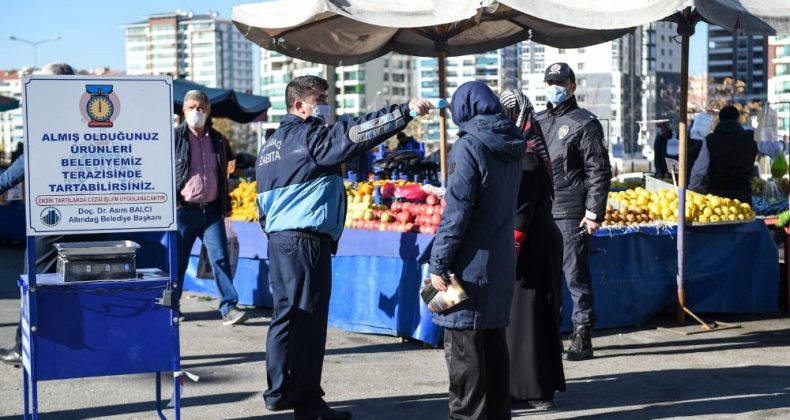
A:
{"points": [[683, 143], [442, 118]]}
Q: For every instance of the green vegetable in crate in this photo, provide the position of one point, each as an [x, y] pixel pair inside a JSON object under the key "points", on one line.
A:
{"points": [[779, 166], [783, 218]]}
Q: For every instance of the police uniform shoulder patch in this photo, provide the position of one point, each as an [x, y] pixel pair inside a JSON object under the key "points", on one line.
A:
{"points": [[563, 131]]}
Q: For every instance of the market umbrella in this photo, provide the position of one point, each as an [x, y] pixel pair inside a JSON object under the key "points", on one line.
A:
{"points": [[7, 104], [346, 32], [225, 103], [756, 17]]}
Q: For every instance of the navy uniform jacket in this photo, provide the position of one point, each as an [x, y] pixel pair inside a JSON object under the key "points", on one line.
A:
{"points": [[475, 238], [579, 160], [299, 187]]}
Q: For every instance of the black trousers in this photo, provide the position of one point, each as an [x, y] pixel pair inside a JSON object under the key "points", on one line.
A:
{"points": [[300, 274], [479, 368], [576, 270]]}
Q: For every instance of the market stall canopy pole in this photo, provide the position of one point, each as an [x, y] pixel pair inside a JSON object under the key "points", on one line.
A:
{"points": [[225, 103], [355, 31]]}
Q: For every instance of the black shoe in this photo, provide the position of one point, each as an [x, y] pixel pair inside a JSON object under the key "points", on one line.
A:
{"points": [[541, 405], [12, 356], [581, 344], [280, 406], [326, 414], [234, 316]]}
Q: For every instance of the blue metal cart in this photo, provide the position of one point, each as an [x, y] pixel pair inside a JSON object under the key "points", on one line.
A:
{"points": [[98, 328]]}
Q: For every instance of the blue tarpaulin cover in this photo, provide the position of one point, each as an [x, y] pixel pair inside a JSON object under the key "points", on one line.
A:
{"points": [[376, 276]]}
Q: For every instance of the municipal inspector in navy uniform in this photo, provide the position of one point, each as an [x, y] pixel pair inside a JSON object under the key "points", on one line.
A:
{"points": [[302, 208], [582, 174]]}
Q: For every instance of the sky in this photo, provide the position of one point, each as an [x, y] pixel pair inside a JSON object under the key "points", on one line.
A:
{"points": [[91, 35], [90, 30]]}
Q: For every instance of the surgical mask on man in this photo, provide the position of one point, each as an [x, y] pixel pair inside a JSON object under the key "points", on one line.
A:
{"points": [[195, 118], [321, 111], [556, 94]]}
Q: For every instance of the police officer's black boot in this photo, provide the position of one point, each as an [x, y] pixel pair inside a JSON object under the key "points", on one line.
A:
{"points": [[581, 343]]}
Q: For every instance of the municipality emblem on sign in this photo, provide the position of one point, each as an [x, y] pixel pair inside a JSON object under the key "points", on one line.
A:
{"points": [[555, 68], [563, 131], [50, 216]]}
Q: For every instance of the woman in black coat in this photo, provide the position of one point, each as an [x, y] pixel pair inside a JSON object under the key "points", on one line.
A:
{"points": [[533, 336]]}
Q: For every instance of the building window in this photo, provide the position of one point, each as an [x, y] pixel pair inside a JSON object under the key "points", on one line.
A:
{"points": [[561, 50], [662, 66], [581, 98], [580, 50], [670, 66], [670, 53], [662, 52], [580, 66]]}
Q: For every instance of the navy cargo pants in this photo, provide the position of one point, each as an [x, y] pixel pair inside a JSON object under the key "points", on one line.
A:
{"points": [[576, 270], [300, 274]]}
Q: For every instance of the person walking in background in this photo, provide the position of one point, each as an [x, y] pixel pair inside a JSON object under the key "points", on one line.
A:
{"points": [[533, 336], [663, 134], [727, 159], [582, 173], [475, 241], [202, 163], [302, 204]]}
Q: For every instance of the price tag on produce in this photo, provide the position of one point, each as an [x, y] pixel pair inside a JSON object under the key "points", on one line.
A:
{"points": [[98, 154]]}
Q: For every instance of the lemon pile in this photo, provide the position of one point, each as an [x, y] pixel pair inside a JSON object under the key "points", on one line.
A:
{"points": [[639, 206], [243, 202]]}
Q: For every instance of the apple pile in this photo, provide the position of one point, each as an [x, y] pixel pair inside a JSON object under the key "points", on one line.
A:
{"points": [[403, 216]]}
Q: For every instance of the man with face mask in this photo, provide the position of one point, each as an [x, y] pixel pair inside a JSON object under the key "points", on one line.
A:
{"points": [[302, 206], [202, 161], [582, 173]]}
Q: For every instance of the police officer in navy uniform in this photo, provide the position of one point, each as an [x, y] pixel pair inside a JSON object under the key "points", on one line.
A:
{"points": [[302, 207], [582, 174]]}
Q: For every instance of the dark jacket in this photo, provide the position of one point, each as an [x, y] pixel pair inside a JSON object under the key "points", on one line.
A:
{"points": [[475, 237], [297, 172], [732, 151], [580, 161], [183, 155], [13, 175]]}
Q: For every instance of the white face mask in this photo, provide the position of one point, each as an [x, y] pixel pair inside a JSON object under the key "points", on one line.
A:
{"points": [[322, 112], [195, 118]]}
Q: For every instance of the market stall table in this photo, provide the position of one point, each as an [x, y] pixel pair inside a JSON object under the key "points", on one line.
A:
{"points": [[376, 276]]}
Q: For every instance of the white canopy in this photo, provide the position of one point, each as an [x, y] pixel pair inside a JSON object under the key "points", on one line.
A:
{"points": [[354, 31], [747, 16]]}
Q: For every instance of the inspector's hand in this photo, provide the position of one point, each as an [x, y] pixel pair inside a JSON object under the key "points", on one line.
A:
{"points": [[438, 283], [591, 225], [420, 105]]}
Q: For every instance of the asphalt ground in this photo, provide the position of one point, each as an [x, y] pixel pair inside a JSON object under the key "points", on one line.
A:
{"points": [[638, 373]]}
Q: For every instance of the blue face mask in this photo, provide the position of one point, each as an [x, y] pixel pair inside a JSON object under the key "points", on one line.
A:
{"points": [[556, 94]]}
